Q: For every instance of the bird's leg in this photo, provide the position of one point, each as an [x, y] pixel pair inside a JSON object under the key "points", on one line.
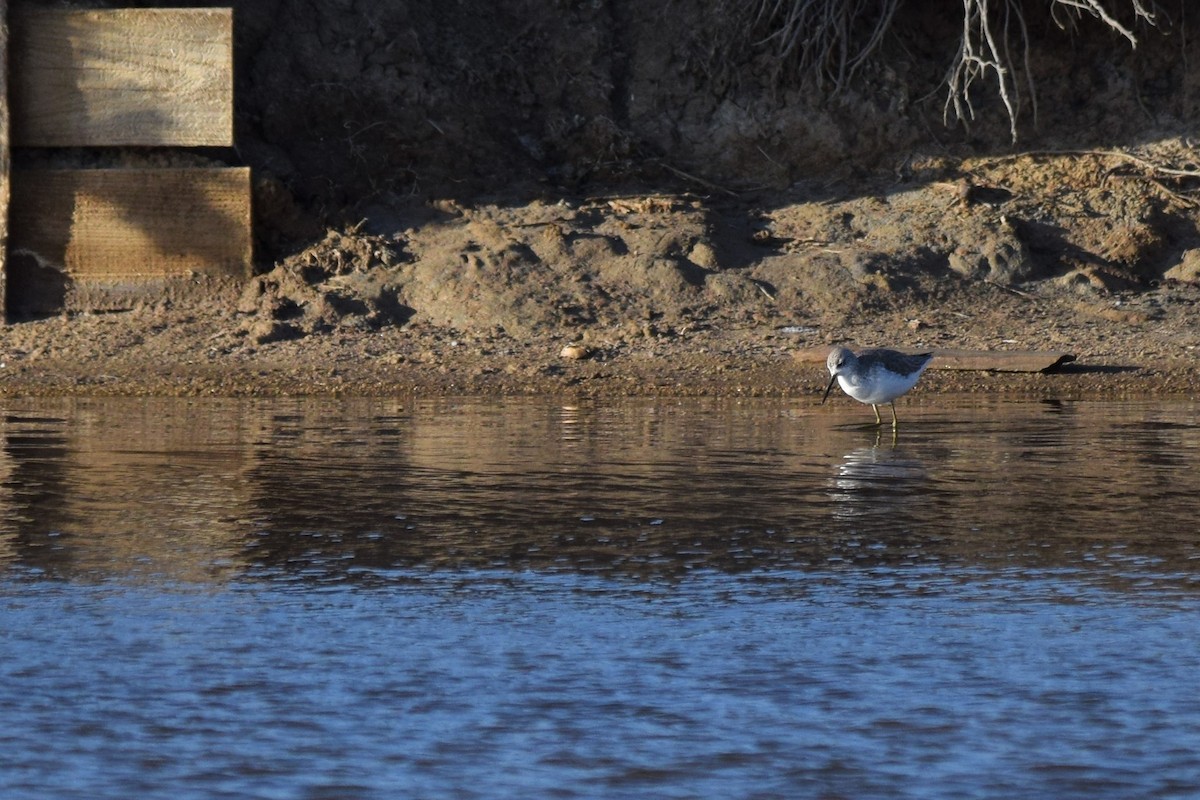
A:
{"points": [[895, 421], [875, 408]]}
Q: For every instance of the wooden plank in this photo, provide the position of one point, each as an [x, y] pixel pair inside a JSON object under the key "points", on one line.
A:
{"points": [[1000, 360], [5, 160], [114, 229], [146, 77], [969, 360]]}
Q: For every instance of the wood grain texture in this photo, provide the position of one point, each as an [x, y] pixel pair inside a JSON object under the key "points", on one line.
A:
{"points": [[124, 227], [1001, 360], [143, 77], [969, 360]]}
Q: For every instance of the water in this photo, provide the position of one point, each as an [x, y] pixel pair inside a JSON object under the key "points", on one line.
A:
{"points": [[378, 599]]}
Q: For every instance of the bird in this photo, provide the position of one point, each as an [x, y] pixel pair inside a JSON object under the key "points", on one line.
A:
{"points": [[875, 376]]}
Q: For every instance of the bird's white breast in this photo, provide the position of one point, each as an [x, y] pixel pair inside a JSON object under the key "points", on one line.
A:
{"points": [[878, 386]]}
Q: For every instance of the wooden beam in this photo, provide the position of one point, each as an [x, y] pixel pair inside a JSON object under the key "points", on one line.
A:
{"points": [[123, 228], [142, 77], [1000, 360], [969, 360]]}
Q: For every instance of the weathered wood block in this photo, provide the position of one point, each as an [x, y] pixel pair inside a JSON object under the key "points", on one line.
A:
{"points": [[142, 77], [97, 238], [1001, 360], [969, 360]]}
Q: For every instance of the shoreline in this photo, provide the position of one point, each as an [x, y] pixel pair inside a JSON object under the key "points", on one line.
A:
{"points": [[1142, 344], [390, 363]]}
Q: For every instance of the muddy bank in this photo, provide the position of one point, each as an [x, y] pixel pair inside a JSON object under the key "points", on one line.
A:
{"points": [[448, 195], [1092, 254], [1144, 347]]}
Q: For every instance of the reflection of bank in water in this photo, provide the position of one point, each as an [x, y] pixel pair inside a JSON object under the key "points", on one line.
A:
{"points": [[125, 488], [330, 490]]}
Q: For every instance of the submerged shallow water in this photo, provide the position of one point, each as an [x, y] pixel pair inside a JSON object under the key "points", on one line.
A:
{"points": [[669, 599]]}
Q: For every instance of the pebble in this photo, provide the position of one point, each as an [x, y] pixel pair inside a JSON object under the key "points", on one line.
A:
{"points": [[574, 352]]}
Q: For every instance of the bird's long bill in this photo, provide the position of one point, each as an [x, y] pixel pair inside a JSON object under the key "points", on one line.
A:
{"points": [[828, 388]]}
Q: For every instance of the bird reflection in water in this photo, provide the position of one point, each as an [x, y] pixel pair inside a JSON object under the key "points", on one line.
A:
{"points": [[877, 482]]}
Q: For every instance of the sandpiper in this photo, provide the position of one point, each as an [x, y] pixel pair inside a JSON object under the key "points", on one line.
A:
{"points": [[875, 376]]}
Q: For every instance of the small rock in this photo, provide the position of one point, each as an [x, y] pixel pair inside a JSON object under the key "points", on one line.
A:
{"points": [[575, 352], [703, 254]]}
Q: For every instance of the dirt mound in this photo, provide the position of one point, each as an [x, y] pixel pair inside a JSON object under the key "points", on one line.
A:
{"points": [[623, 267], [346, 281]]}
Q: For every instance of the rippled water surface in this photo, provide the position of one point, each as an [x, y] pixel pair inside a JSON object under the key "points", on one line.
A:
{"points": [[380, 599]]}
